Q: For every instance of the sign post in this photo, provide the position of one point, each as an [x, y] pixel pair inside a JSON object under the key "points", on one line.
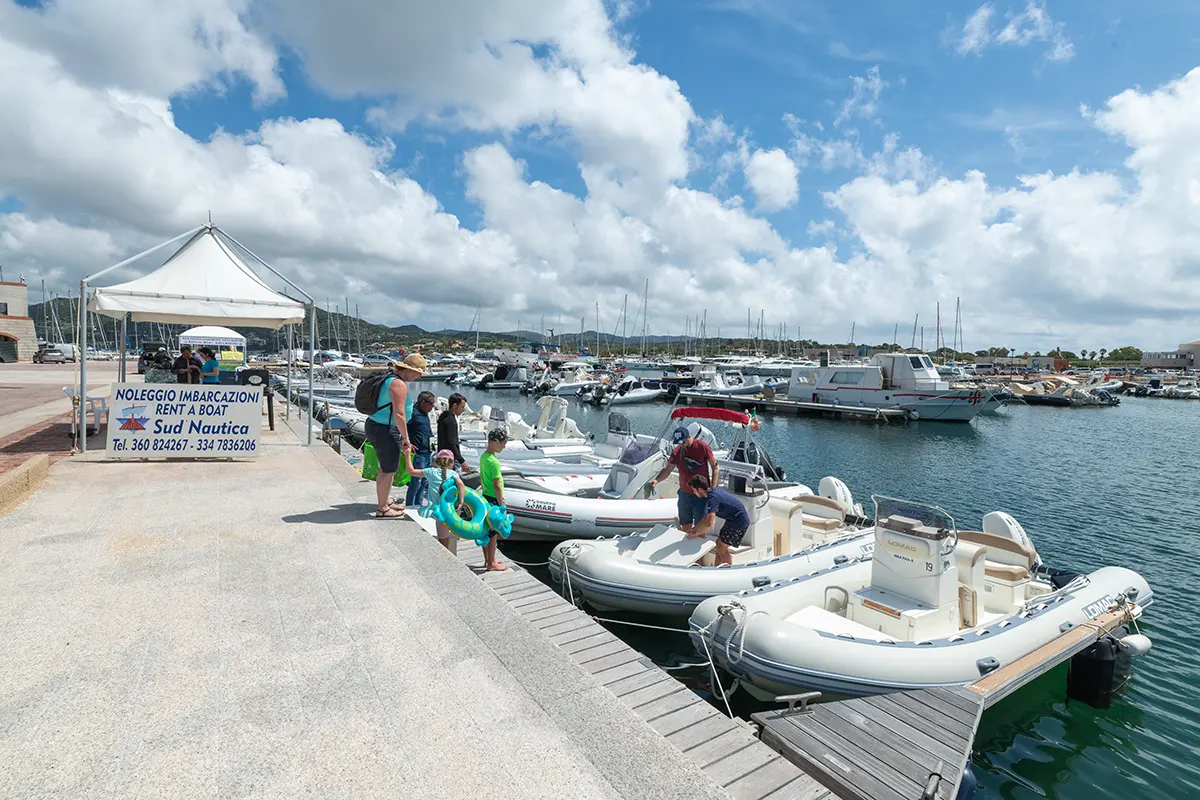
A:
{"points": [[184, 421]]}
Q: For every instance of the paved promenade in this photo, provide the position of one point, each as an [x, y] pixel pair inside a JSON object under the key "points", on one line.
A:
{"points": [[244, 629]]}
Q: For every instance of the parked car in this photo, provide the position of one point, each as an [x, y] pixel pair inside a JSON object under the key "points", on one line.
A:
{"points": [[150, 356], [376, 360], [50, 355]]}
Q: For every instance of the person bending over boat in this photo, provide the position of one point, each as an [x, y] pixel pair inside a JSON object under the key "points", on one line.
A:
{"points": [[723, 504], [439, 475], [491, 486], [693, 457]]}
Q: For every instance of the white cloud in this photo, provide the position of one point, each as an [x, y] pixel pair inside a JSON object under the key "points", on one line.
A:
{"points": [[774, 178], [863, 101], [1023, 28], [103, 171]]}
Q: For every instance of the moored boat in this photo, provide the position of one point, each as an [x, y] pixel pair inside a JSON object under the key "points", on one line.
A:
{"points": [[935, 606]]}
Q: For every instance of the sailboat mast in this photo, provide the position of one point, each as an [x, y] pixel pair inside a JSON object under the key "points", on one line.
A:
{"points": [[645, 313], [624, 321], [597, 329], [914, 333], [45, 327]]}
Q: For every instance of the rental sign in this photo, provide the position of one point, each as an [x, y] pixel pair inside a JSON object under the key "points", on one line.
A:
{"points": [[184, 421]]}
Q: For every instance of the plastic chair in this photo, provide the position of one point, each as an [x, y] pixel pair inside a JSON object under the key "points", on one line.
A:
{"points": [[96, 407]]}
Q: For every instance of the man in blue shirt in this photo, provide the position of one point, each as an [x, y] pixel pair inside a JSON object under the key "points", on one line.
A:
{"points": [[420, 432], [723, 504]]}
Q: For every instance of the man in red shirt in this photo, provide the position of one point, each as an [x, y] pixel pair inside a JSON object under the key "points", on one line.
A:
{"points": [[693, 457]]}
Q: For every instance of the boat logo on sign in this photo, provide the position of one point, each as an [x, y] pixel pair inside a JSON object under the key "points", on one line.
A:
{"points": [[1098, 607], [133, 418]]}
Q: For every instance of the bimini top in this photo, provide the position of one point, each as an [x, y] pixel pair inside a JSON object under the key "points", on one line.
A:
{"points": [[205, 282], [723, 414]]}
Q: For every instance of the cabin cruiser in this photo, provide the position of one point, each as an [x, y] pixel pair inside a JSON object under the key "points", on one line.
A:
{"points": [[624, 392], [889, 380], [710, 380], [662, 572], [934, 606], [506, 376]]}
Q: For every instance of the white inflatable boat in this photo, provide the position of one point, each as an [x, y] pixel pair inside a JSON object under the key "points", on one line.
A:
{"points": [[662, 572], [934, 607], [577, 506]]}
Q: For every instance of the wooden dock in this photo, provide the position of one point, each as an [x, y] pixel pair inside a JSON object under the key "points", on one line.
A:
{"points": [[726, 749], [911, 745], [785, 406], [903, 746], [997, 685]]}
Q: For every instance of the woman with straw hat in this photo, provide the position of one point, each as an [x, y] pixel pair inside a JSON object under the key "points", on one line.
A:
{"points": [[387, 431]]}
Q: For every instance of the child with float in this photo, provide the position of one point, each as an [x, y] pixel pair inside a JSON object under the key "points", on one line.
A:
{"points": [[458, 511], [438, 475]]}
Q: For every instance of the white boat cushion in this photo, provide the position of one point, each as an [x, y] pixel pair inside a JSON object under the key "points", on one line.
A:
{"points": [[818, 619], [670, 546], [1000, 549]]}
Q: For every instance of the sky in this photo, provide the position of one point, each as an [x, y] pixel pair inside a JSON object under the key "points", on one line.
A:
{"points": [[828, 165]]}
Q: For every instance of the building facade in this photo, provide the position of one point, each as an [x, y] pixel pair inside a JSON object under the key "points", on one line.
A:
{"points": [[18, 337]]}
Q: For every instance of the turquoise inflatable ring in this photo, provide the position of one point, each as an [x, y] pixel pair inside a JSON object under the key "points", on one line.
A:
{"points": [[486, 518]]}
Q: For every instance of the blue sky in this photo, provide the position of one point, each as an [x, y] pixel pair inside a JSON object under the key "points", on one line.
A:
{"points": [[565, 190]]}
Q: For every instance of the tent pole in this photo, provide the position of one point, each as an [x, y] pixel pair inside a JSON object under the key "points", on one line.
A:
{"points": [[312, 356], [290, 366], [272, 270], [124, 347], [142, 254], [82, 396]]}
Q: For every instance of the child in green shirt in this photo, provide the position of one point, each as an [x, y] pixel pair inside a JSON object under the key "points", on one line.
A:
{"points": [[491, 485]]}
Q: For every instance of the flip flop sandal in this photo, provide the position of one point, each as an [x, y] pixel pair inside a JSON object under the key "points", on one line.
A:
{"points": [[388, 513]]}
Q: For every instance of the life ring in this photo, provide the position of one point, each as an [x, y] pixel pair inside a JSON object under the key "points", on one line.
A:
{"points": [[485, 517]]}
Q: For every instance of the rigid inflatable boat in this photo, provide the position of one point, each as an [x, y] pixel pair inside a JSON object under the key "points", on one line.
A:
{"points": [[934, 607], [661, 571], [578, 506]]}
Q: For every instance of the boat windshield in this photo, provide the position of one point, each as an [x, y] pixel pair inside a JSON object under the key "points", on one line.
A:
{"points": [[637, 452]]}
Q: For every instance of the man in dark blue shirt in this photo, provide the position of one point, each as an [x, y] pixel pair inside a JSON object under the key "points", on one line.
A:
{"points": [[419, 434], [723, 504]]}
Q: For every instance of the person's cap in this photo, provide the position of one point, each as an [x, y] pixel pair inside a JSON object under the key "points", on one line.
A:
{"points": [[441, 454], [497, 435], [681, 435], [415, 362]]}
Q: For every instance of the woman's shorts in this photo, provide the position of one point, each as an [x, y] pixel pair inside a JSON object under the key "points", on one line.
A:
{"points": [[386, 441]]}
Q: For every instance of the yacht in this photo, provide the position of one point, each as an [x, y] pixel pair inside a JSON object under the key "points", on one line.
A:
{"points": [[889, 380]]}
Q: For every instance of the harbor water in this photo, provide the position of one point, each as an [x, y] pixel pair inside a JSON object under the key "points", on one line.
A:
{"points": [[1092, 486]]}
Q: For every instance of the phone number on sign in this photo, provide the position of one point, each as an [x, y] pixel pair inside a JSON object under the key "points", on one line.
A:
{"points": [[162, 445]]}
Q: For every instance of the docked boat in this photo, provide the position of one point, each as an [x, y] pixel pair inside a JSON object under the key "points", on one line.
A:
{"points": [[506, 376], [888, 380], [586, 506], [662, 572], [627, 391], [934, 606], [710, 380]]}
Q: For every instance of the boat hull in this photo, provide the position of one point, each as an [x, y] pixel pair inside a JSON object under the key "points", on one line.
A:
{"points": [[600, 573], [774, 657]]}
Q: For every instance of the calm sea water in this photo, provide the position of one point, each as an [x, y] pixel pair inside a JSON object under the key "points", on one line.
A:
{"points": [[1092, 487]]}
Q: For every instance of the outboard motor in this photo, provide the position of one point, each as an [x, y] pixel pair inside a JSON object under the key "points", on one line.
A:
{"points": [[834, 489], [484, 381], [1001, 524]]}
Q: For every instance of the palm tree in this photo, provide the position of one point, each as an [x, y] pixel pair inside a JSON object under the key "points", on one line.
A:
{"points": [[1092, 356], [1102, 352]]}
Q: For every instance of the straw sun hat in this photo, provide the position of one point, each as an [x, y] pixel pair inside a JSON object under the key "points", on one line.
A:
{"points": [[414, 362]]}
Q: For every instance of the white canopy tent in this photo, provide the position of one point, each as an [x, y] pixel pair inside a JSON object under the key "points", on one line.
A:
{"points": [[207, 281], [212, 334]]}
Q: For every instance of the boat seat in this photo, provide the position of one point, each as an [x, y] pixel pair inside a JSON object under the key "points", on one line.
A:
{"points": [[1007, 572], [970, 561], [670, 546], [1001, 549], [818, 619], [821, 513]]}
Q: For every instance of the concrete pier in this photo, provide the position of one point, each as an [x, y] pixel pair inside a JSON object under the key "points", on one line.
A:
{"points": [[237, 629]]}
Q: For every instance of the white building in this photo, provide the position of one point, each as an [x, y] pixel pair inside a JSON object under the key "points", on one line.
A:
{"points": [[18, 337]]}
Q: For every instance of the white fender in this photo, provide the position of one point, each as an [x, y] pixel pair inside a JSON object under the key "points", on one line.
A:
{"points": [[1002, 524]]}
